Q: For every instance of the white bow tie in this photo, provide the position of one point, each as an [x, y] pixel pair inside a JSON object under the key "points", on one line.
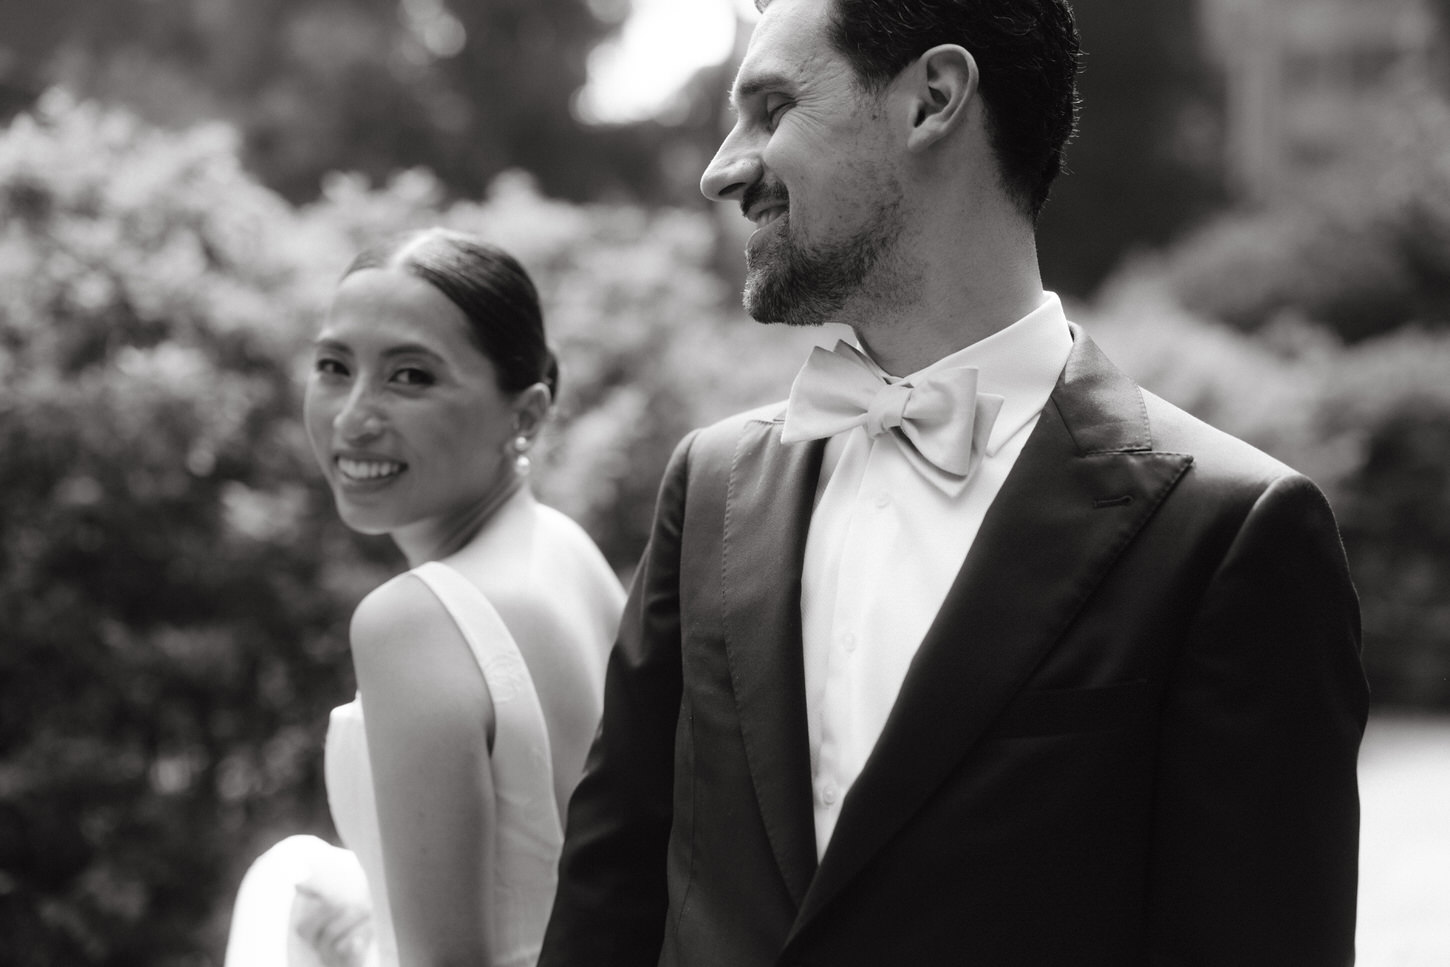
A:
{"points": [[942, 422]]}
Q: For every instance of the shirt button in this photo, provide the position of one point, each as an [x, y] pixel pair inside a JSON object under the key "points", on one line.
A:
{"points": [[883, 500], [829, 792], [848, 641]]}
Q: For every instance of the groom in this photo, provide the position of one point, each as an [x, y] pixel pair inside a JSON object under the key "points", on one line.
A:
{"points": [[974, 652]]}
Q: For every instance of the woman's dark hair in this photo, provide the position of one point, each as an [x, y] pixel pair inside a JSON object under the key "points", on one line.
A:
{"points": [[492, 289], [1026, 53]]}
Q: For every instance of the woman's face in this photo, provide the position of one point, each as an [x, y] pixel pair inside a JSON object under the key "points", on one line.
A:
{"points": [[403, 410]]}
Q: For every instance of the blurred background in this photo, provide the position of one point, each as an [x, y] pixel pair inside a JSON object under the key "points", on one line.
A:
{"points": [[1256, 225]]}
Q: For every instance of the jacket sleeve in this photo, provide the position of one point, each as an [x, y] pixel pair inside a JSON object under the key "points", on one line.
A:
{"points": [[1256, 830], [611, 903]]}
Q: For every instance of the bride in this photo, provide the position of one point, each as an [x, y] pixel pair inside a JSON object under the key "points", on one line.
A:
{"points": [[480, 670]]}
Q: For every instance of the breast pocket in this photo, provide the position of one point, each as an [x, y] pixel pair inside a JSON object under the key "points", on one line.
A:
{"points": [[1067, 711]]}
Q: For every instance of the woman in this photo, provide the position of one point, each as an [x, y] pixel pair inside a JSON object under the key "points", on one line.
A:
{"points": [[481, 668]]}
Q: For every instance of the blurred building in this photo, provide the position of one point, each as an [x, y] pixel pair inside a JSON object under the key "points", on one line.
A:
{"points": [[1299, 75]]}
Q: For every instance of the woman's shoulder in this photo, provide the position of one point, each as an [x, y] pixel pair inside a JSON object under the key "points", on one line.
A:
{"points": [[410, 653], [402, 607]]}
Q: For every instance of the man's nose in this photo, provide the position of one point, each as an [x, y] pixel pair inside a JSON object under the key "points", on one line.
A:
{"points": [[735, 167]]}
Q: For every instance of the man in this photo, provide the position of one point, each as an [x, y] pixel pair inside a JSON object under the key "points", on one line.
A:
{"points": [[974, 652]]}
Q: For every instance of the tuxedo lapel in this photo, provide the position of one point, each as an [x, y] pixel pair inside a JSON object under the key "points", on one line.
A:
{"points": [[1085, 483], [767, 513]]}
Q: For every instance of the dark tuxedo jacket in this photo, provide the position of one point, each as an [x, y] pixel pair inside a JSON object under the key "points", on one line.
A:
{"points": [[1129, 738]]}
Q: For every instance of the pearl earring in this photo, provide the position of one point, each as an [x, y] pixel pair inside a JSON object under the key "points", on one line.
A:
{"points": [[521, 454]]}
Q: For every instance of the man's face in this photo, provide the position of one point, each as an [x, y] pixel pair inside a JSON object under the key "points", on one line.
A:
{"points": [[809, 161]]}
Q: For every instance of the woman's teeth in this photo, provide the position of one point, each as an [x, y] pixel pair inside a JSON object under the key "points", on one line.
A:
{"points": [[368, 469]]}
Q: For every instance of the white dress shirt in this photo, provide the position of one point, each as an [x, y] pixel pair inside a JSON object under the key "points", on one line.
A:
{"points": [[885, 545]]}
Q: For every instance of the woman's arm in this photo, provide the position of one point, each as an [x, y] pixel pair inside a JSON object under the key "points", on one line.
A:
{"points": [[429, 720]]}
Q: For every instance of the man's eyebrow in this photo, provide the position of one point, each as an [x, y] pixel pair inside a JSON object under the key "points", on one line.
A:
{"points": [[757, 83]]}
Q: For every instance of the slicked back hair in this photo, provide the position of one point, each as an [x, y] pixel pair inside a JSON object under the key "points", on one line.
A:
{"points": [[1026, 53], [492, 289]]}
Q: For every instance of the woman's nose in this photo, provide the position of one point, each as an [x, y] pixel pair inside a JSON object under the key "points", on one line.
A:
{"points": [[360, 419], [735, 167]]}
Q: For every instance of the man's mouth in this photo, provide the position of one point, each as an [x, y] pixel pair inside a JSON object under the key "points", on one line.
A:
{"points": [[369, 470], [765, 216], [764, 202]]}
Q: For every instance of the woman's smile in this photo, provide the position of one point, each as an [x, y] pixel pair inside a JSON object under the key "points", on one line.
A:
{"points": [[368, 469]]}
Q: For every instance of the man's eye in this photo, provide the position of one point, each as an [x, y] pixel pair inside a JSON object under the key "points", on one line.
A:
{"points": [[773, 113], [413, 376], [327, 366]]}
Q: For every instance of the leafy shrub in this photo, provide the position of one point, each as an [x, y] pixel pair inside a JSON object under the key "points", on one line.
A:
{"points": [[170, 598], [1362, 249]]}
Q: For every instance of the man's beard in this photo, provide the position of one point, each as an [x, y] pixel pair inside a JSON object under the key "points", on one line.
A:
{"points": [[800, 285]]}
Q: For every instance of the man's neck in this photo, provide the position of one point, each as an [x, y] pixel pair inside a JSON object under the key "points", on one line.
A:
{"points": [[910, 336], [959, 274]]}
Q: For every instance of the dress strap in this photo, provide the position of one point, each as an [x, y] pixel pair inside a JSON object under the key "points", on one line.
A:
{"points": [[529, 834], [493, 646]]}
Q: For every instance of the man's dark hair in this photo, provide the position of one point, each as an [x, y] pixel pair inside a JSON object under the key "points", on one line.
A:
{"points": [[1026, 53]]}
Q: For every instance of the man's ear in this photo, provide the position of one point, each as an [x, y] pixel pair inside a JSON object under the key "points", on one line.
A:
{"points": [[943, 92]]}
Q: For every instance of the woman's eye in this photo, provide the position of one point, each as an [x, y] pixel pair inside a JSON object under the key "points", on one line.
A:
{"points": [[413, 376], [329, 367]]}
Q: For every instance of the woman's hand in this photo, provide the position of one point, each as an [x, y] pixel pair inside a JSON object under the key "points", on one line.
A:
{"points": [[338, 929]]}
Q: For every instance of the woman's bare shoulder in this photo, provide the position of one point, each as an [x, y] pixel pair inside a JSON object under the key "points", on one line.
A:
{"points": [[402, 607], [408, 651]]}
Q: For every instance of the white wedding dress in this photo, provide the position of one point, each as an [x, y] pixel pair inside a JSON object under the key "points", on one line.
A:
{"points": [[527, 838]]}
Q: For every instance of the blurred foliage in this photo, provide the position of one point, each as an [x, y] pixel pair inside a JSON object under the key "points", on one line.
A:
{"points": [[467, 89], [170, 604], [1363, 248]]}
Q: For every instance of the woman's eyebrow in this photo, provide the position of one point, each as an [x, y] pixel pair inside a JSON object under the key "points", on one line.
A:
{"points": [[413, 349], [402, 349]]}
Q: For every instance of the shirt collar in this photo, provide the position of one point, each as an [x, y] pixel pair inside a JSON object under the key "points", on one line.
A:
{"points": [[1020, 363]]}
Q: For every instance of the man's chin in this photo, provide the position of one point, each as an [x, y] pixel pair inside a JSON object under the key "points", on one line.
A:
{"points": [[774, 314], [768, 303]]}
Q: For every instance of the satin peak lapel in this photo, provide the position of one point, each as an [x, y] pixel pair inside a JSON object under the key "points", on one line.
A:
{"points": [[1085, 483], [767, 513]]}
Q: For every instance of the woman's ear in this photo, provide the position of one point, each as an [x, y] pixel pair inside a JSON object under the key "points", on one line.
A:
{"points": [[531, 409], [943, 93]]}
